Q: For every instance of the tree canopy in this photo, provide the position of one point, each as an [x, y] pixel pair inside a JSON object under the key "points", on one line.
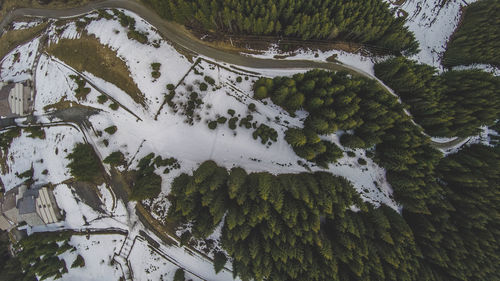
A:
{"points": [[477, 39], [456, 103], [366, 21]]}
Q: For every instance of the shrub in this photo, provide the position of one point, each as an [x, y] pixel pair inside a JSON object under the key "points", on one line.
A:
{"points": [[156, 66], [111, 130], [170, 87], [212, 125], [252, 107], [351, 154], [361, 161], [239, 79], [81, 92], [232, 123], [265, 133], [104, 14], [138, 36], [125, 21], [114, 106], [246, 122], [231, 112], [79, 262], [332, 58], [102, 99], [221, 120], [203, 87], [209, 80], [179, 275], [155, 74], [115, 158]]}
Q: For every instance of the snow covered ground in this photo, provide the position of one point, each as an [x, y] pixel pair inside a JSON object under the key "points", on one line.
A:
{"points": [[97, 250], [47, 157], [17, 65], [433, 26], [149, 264], [168, 135], [485, 67], [79, 215], [138, 57], [355, 60]]}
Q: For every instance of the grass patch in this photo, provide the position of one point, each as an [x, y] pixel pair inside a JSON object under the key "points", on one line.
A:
{"points": [[14, 38], [35, 132], [138, 36], [7, 137], [61, 104], [88, 54], [81, 92], [8, 5]]}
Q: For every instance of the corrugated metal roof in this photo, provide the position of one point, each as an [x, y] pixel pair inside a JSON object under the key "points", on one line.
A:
{"points": [[9, 200], [26, 205]]}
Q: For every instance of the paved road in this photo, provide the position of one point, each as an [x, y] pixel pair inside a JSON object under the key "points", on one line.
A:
{"points": [[178, 37]]}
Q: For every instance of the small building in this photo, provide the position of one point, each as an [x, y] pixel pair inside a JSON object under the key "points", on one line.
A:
{"points": [[5, 223], [35, 206], [8, 207], [27, 208], [16, 99], [46, 206]]}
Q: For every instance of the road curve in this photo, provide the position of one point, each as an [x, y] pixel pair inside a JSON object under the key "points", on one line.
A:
{"points": [[171, 31], [178, 37]]}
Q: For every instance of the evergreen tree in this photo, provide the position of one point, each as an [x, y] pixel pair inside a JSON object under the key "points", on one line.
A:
{"points": [[477, 39], [367, 21], [455, 103], [220, 260]]}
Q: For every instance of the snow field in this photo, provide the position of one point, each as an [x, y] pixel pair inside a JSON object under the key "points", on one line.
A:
{"points": [[97, 250], [47, 154], [16, 66]]}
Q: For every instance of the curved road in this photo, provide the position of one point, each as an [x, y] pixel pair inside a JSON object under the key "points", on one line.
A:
{"points": [[177, 36]]}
